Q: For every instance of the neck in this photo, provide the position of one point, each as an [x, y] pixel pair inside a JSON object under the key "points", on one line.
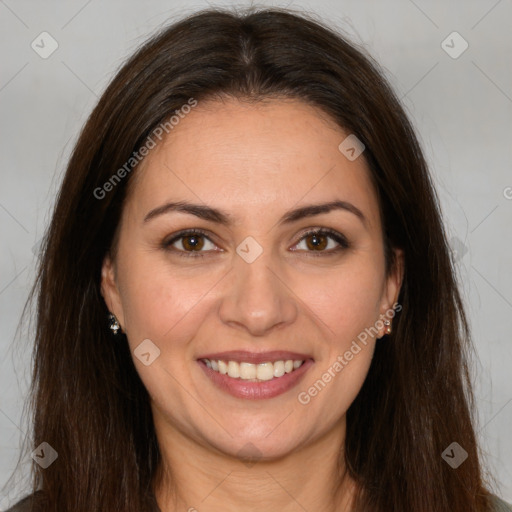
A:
{"points": [[197, 478]]}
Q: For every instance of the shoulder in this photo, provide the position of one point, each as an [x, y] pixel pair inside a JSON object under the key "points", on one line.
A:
{"points": [[500, 505], [34, 503], [31, 503]]}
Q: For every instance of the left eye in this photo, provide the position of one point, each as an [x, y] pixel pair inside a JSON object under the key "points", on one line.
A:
{"points": [[318, 241]]}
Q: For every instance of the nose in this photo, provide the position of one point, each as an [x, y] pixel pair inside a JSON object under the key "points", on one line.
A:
{"points": [[257, 298]]}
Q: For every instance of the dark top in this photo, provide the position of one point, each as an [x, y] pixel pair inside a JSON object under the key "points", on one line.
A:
{"points": [[25, 505], [31, 504]]}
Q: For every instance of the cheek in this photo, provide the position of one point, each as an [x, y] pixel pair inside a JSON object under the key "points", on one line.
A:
{"points": [[338, 378], [346, 300], [347, 303], [350, 379], [167, 310], [161, 304], [333, 387]]}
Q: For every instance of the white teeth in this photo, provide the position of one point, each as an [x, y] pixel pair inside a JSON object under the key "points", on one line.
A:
{"points": [[223, 367], [248, 371], [265, 371], [254, 372], [233, 369], [278, 369]]}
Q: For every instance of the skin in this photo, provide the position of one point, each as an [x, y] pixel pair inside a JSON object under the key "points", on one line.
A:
{"points": [[255, 162]]}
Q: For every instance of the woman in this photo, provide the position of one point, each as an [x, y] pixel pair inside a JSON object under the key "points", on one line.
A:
{"points": [[249, 208]]}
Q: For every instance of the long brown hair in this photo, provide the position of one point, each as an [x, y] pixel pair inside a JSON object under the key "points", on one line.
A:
{"points": [[88, 401]]}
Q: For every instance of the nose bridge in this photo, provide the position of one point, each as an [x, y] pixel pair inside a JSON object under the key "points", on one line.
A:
{"points": [[256, 298]]}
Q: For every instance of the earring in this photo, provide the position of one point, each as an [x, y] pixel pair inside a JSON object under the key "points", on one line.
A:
{"points": [[114, 323], [388, 328]]}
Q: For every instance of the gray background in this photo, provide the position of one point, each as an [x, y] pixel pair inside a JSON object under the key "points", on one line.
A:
{"points": [[461, 107]]}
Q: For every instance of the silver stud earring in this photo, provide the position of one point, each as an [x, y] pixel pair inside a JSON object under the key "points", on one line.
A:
{"points": [[113, 323]]}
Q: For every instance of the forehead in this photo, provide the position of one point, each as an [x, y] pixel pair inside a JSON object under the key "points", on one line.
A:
{"points": [[248, 158]]}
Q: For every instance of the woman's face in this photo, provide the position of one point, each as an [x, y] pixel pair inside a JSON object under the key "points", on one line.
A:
{"points": [[252, 282]]}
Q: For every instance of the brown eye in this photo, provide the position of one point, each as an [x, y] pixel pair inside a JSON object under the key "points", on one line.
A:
{"points": [[189, 243], [192, 242], [316, 241], [321, 239]]}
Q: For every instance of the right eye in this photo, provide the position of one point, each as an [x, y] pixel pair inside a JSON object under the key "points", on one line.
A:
{"points": [[191, 241]]}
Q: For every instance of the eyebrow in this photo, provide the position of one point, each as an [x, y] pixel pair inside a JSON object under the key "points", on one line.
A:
{"points": [[225, 219]]}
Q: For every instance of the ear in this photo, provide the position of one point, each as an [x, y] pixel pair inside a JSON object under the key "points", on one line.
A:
{"points": [[110, 290], [392, 286]]}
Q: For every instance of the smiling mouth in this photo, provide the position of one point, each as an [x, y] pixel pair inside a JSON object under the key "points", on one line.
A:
{"points": [[252, 375], [250, 372]]}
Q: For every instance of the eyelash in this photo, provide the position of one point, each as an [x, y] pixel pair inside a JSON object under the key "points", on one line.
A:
{"points": [[337, 237]]}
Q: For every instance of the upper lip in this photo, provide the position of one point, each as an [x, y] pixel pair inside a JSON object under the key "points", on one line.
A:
{"points": [[255, 357]]}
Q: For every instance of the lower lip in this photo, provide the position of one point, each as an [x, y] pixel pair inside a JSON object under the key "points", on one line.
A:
{"points": [[257, 390]]}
